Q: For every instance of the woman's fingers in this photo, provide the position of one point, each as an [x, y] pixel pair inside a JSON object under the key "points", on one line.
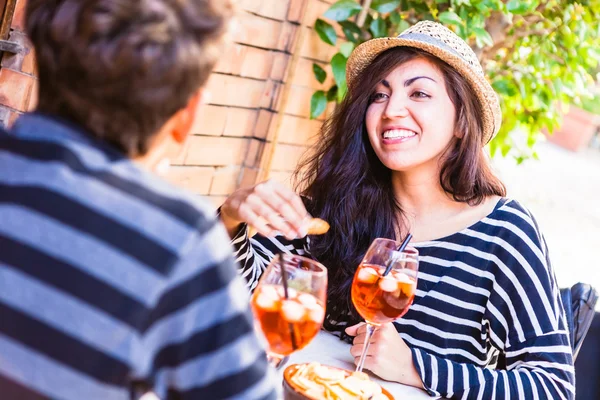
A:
{"points": [[356, 350], [268, 208], [286, 204], [269, 215], [360, 338], [354, 329], [248, 215]]}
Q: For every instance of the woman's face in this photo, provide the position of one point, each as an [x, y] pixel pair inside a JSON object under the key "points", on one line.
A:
{"points": [[411, 118]]}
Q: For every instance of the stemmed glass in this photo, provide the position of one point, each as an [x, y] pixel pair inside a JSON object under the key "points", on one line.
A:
{"points": [[289, 304], [379, 297]]}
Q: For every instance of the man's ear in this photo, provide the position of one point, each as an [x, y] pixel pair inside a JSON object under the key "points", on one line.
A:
{"points": [[184, 119]]}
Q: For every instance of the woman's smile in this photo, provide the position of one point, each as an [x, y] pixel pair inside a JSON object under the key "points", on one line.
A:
{"points": [[397, 135]]}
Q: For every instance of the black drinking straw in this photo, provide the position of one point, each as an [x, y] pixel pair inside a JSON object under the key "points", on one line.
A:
{"points": [[400, 250], [284, 277]]}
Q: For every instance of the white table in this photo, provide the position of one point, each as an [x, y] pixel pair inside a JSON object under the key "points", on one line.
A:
{"points": [[330, 350]]}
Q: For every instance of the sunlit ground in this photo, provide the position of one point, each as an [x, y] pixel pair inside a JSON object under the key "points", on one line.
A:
{"points": [[562, 190]]}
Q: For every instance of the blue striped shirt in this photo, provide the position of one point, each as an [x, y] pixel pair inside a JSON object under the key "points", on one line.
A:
{"points": [[484, 292], [109, 276]]}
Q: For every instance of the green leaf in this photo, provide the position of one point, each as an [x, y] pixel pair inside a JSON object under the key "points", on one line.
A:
{"points": [[332, 93], [338, 66], [505, 149], [318, 103], [326, 32], [342, 92], [450, 18], [378, 28], [351, 30], [385, 6], [319, 72], [517, 6], [395, 18], [402, 26], [483, 37], [342, 10], [346, 49]]}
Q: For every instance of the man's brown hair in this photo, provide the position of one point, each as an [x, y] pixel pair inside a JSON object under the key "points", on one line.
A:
{"points": [[121, 68]]}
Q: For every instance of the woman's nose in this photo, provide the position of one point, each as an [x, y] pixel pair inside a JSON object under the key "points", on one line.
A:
{"points": [[396, 108]]}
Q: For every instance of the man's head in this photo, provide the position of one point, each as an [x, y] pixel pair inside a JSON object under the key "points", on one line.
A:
{"points": [[120, 68]]}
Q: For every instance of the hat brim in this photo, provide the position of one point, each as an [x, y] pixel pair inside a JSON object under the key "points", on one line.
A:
{"points": [[488, 100]]}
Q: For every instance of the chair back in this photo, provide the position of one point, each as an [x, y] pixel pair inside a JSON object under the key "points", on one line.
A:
{"points": [[579, 302]]}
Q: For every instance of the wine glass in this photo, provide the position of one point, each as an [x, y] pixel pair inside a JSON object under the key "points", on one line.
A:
{"points": [[379, 297], [289, 304]]}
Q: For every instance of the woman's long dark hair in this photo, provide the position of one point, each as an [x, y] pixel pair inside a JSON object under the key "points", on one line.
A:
{"points": [[348, 186]]}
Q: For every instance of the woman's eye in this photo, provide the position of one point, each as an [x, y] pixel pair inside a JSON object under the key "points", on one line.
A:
{"points": [[420, 95], [378, 97]]}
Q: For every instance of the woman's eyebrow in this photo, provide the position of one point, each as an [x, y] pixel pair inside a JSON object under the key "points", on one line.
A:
{"points": [[410, 81]]}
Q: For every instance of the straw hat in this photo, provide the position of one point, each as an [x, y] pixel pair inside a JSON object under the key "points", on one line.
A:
{"points": [[444, 44]]}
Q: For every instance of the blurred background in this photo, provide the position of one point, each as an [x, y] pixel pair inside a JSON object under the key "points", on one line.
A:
{"points": [[284, 73]]}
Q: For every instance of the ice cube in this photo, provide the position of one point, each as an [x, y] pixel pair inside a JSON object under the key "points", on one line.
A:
{"points": [[367, 275], [316, 314], [307, 300], [292, 293], [402, 277], [270, 291], [292, 311], [388, 284], [267, 301]]}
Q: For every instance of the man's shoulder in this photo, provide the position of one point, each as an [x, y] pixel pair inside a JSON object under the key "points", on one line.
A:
{"points": [[95, 184]]}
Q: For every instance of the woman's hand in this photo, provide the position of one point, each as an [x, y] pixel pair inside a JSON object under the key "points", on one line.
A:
{"points": [[269, 207], [388, 356]]}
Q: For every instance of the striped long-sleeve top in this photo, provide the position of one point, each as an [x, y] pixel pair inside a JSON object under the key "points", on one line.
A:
{"points": [[484, 292], [108, 276]]}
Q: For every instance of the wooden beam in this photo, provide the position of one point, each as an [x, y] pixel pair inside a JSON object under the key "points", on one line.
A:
{"points": [[7, 17]]}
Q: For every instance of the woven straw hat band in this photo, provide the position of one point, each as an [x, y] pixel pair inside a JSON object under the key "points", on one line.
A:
{"points": [[444, 44]]}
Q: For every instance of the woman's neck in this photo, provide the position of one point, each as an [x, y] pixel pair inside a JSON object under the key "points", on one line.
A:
{"points": [[420, 193], [429, 212]]}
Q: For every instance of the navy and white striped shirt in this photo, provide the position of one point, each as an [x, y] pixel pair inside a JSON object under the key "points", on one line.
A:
{"points": [[486, 291], [108, 276]]}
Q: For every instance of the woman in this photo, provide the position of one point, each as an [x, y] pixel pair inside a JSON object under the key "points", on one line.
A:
{"points": [[404, 153]]}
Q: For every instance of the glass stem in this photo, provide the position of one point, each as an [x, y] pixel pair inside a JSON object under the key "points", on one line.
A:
{"points": [[276, 360], [370, 330]]}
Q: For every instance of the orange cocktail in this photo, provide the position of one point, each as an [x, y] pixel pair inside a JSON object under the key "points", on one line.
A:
{"points": [[289, 304], [384, 285], [287, 324], [380, 299]]}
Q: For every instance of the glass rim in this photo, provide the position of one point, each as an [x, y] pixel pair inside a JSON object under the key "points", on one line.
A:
{"points": [[321, 270], [397, 244]]}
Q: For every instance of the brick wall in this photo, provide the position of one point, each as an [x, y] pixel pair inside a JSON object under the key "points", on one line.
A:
{"points": [[18, 81], [233, 134]]}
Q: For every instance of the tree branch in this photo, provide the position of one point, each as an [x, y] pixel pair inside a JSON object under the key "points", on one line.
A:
{"points": [[362, 16]]}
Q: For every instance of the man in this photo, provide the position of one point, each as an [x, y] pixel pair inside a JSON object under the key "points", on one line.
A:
{"points": [[112, 281]]}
